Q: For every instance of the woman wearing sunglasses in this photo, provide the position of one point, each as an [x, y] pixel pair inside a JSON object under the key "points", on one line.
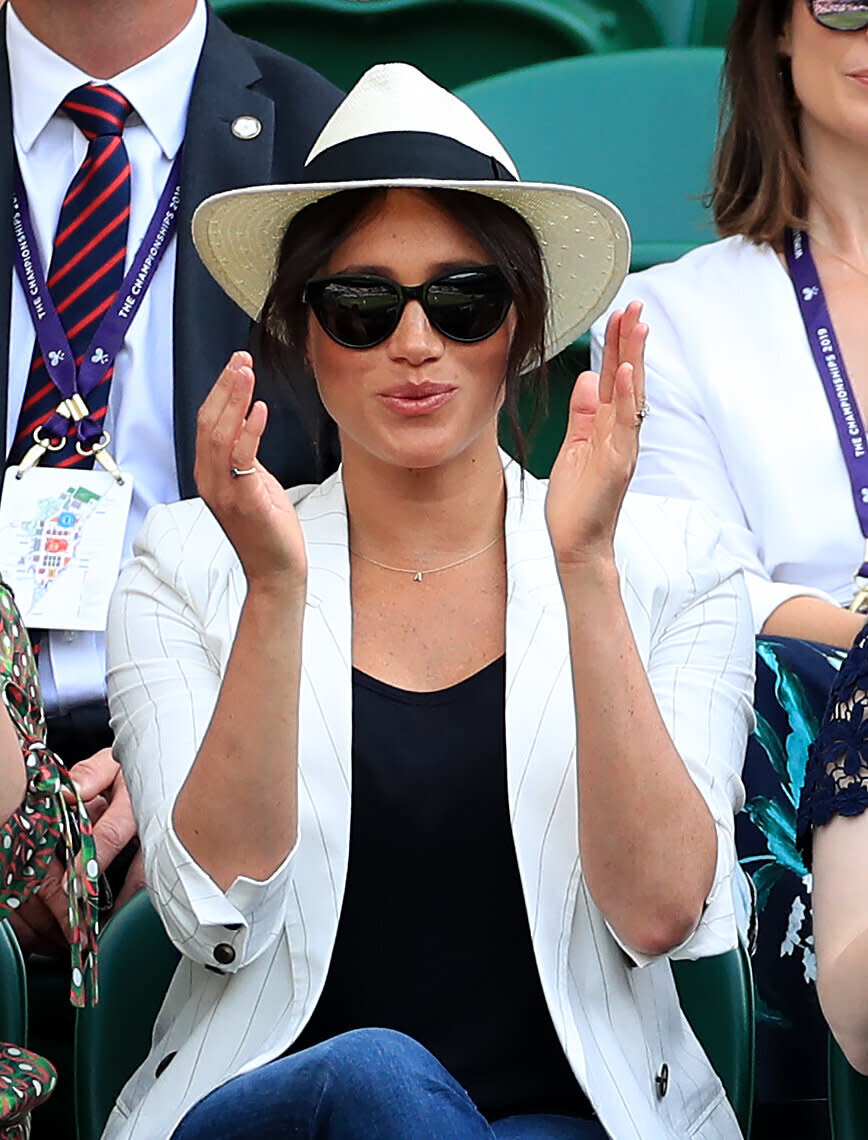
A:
{"points": [[757, 366], [757, 377], [348, 714]]}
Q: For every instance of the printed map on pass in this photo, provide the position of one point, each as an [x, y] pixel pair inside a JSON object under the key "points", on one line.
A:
{"points": [[61, 534]]}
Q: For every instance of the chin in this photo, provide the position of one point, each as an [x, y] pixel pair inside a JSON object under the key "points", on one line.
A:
{"points": [[428, 450], [420, 458]]}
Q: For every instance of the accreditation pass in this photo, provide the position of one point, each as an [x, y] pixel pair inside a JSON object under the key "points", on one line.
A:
{"points": [[61, 540]]}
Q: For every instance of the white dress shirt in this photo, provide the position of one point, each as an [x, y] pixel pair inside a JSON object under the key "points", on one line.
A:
{"points": [[739, 420], [255, 957], [50, 149]]}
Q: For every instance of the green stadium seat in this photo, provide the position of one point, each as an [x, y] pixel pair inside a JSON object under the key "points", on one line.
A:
{"points": [[675, 19], [637, 126], [453, 41], [711, 20], [544, 426], [136, 963], [848, 1097], [717, 997], [13, 989], [698, 22]]}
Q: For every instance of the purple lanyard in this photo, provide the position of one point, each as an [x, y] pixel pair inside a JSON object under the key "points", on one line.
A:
{"points": [[833, 372], [109, 336]]}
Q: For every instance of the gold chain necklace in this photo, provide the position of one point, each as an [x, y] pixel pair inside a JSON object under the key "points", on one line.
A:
{"points": [[418, 574]]}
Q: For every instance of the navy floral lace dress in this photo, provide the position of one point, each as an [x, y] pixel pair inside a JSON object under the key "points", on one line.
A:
{"points": [[836, 782], [793, 681]]}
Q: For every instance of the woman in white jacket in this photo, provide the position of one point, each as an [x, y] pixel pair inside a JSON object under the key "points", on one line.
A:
{"points": [[479, 947], [745, 420], [757, 380]]}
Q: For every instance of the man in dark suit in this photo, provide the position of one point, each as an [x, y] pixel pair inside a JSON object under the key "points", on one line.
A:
{"points": [[245, 115]]}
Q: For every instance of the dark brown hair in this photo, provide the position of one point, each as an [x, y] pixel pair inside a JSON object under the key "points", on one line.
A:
{"points": [[760, 183], [317, 231]]}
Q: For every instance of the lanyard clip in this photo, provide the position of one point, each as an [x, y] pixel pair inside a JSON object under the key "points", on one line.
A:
{"points": [[859, 605], [99, 450], [73, 408], [32, 457]]}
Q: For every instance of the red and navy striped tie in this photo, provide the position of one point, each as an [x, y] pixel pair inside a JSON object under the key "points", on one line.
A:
{"points": [[87, 263]]}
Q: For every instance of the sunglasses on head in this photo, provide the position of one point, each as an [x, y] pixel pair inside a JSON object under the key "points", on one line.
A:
{"points": [[360, 310], [840, 15]]}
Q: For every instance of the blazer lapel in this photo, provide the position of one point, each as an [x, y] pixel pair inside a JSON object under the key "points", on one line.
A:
{"points": [[325, 719], [207, 325], [6, 169], [541, 744]]}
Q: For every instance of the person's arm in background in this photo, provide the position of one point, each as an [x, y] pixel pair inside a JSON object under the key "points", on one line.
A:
{"points": [[41, 810], [41, 923], [681, 457], [12, 775], [840, 904], [833, 812], [814, 620]]}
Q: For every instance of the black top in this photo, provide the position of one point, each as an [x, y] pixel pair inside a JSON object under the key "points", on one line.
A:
{"points": [[433, 938]]}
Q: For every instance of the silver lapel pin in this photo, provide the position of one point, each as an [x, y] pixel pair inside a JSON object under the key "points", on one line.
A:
{"points": [[246, 127]]}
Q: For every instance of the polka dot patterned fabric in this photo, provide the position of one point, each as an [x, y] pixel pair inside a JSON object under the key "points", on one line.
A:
{"points": [[26, 1080], [45, 819]]}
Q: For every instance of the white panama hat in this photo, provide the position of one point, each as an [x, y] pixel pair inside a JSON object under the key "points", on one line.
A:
{"points": [[397, 128]]}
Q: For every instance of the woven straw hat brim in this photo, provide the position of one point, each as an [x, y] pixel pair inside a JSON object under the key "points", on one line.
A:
{"points": [[583, 238]]}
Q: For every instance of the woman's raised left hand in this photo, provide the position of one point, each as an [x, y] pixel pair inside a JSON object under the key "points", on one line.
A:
{"points": [[596, 460]]}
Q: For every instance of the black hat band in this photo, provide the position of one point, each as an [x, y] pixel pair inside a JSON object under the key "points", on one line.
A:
{"points": [[404, 154]]}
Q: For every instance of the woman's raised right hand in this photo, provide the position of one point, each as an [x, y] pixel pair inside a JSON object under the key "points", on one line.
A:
{"points": [[254, 510]]}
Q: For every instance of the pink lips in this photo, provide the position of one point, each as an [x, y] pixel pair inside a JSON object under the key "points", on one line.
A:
{"points": [[860, 76], [417, 399]]}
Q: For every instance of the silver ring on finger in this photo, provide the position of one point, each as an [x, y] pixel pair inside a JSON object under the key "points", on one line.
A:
{"points": [[641, 414], [237, 472]]}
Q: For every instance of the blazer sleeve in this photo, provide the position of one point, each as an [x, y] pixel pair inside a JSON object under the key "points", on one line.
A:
{"points": [[680, 454], [165, 669], [701, 669]]}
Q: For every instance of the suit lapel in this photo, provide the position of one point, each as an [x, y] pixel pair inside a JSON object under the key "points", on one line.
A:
{"points": [[6, 172], [207, 325]]}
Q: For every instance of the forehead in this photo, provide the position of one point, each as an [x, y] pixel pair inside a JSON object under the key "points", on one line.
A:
{"points": [[407, 226]]}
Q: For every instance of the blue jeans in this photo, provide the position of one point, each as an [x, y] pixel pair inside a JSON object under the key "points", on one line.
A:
{"points": [[371, 1084]]}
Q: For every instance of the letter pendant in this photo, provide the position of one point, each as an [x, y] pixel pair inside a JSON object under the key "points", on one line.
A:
{"points": [[417, 577]]}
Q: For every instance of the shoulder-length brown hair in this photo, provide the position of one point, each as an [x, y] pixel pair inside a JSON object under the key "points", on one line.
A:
{"points": [[760, 183]]}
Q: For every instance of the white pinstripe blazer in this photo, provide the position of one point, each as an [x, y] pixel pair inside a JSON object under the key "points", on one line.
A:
{"points": [[256, 956]]}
